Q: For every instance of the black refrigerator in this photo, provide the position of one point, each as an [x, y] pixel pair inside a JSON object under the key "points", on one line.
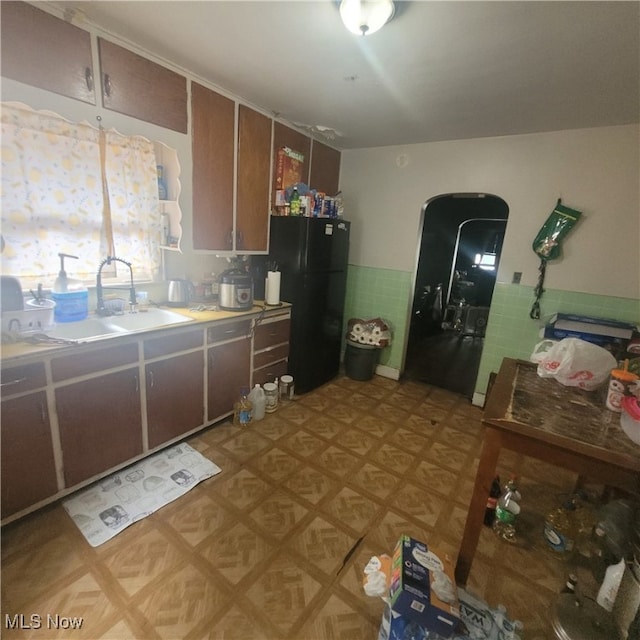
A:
{"points": [[312, 255]]}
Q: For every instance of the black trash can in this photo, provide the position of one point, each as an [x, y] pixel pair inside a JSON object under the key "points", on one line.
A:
{"points": [[360, 360]]}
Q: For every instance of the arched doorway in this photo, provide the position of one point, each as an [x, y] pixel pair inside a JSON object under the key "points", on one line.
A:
{"points": [[458, 256]]}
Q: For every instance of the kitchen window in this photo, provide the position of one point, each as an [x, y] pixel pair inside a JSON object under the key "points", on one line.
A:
{"points": [[77, 189]]}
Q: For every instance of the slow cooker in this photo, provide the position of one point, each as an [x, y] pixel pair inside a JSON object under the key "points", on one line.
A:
{"points": [[235, 290]]}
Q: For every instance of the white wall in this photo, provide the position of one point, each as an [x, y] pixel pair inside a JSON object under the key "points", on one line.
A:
{"points": [[593, 170]]}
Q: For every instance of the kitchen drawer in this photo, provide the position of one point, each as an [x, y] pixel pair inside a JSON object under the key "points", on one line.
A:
{"points": [[228, 331], [271, 333], [270, 372], [270, 355], [23, 378], [165, 344], [80, 364]]}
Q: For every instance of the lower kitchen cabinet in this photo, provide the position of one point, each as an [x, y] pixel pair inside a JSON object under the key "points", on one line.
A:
{"points": [[76, 414], [271, 350], [100, 422], [228, 366], [175, 396], [28, 466]]}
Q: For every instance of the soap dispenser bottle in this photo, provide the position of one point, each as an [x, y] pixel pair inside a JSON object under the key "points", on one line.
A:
{"points": [[70, 295]]}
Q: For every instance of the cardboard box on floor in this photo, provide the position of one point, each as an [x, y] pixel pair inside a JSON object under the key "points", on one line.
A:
{"points": [[423, 589]]}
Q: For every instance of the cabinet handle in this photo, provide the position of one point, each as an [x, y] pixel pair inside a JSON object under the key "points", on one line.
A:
{"points": [[16, 381], [106, 86], [88, 78], [151, 380], [229, 239], [137, 381], [239, 239]]}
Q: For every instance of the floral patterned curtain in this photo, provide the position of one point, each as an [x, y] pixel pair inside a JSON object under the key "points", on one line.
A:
{"points": [[52, 197]]}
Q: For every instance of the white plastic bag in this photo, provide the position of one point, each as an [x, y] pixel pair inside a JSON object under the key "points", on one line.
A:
{"points": [[574, 362]]}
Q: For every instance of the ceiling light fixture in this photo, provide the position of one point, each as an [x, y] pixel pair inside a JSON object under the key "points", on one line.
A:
{"points": [[364, 17]]}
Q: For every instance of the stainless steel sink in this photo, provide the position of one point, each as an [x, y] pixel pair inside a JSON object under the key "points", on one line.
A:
{"points": [[96, 328], [144, 320]]}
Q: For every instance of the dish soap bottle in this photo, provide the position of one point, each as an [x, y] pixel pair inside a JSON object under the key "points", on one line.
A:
{"points": [[70, 295]]}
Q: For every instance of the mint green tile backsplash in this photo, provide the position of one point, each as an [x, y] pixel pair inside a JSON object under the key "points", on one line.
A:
{"points": [[380, 293], [510, 333]]}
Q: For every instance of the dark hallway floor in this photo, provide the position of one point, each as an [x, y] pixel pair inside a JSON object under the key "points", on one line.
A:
{"points": [[448, 360]]}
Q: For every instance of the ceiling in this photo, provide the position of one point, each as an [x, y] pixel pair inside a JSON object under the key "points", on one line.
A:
{"points": [[437, 71]]}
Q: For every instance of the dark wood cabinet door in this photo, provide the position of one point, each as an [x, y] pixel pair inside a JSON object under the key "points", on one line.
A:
{"points": [[253, 179], [46, 52], [213, 132], [325, 169], [284, 136], [28, 466], [228, 371], [100, 424], [143, 89], [175, 397]]}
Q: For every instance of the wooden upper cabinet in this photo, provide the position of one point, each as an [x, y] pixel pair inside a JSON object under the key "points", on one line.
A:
{"points": [[138, 87], [284, 136], [46, 52], [253, 180], [213, 133], [325, 169]]}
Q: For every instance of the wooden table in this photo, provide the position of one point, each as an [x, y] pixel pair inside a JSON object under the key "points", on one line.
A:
{"points": [[564, 426]]}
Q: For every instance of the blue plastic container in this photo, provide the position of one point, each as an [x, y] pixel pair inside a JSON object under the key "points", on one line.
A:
{"points": [[71, 306]]}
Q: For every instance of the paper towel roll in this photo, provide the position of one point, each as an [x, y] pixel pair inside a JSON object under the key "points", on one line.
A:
{"points": [[272, 288]]}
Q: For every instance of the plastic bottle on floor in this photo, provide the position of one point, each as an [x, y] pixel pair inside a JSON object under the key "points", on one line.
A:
{"points": [[507, 511], [259, 402], [243, 409], [560, 529], [492, 502]]}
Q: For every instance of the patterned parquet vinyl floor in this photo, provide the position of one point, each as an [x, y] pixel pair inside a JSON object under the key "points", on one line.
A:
{"points": [[258, 551]]}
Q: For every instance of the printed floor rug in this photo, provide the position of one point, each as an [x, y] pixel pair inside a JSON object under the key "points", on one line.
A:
{"points": [[112, 504]]}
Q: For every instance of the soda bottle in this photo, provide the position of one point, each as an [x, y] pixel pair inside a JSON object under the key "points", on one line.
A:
{"points": [[492, 502], [507, 510]]}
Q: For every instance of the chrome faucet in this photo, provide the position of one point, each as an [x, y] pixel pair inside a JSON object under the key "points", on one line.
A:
{"points": [[101, 310]]}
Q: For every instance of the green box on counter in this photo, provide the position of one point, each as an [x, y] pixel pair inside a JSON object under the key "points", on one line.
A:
{"points": [[422, 586]]}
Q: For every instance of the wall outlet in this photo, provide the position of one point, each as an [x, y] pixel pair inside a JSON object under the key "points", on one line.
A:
{"points": [[517, 276]]}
